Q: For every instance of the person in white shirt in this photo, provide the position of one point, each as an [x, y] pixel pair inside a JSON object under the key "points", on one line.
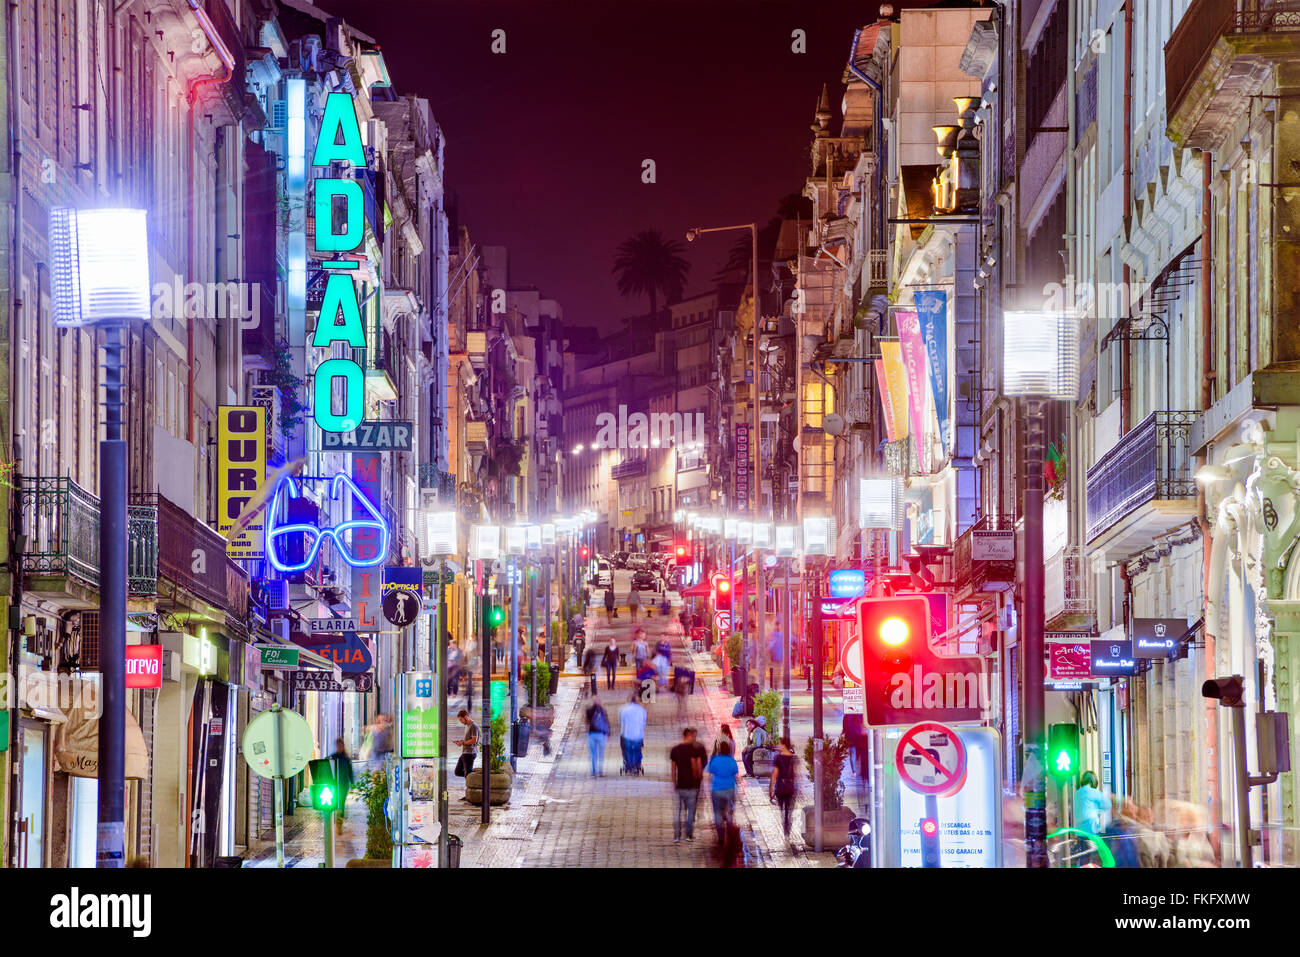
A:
{"points": [[631, 730]]}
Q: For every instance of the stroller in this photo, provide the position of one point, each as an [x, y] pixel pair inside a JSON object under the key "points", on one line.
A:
{"points": [[631, 756]]}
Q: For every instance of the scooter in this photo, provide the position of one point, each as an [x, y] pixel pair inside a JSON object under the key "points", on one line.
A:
{"points": [[857, 852]]}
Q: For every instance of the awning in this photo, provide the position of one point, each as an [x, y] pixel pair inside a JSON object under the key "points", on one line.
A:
{"points": [[76, 742], [698, 590]]}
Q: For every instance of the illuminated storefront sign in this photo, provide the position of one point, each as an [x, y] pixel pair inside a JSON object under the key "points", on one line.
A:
{"points": [[344, 535], [340, 313], [241, 470]]}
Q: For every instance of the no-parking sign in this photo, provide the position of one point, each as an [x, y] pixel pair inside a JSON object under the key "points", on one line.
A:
{"points": [[931, 759]]}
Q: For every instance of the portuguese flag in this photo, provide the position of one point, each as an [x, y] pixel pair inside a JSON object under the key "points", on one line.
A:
{"points": [[1054, 464]]}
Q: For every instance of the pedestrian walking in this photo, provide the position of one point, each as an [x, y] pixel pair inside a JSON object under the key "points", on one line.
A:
{"points": [[453, 666], [724, 737], [781, 787], [342, 780], [468, 744], [609, 661], [597, 736], [665, 607], [609, 606], [640, 651], [633, 602], [687, 759], [589, 661], [723, 770], [381, 741], [631, 732]]}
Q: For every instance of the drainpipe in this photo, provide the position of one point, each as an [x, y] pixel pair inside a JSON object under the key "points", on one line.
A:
{"points": [[877, 137], [1210, 543], [1126, 392]]}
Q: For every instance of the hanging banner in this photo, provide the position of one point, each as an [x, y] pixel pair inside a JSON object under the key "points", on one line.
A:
{"points": [[367, 543], [241, 474], [891, 352], [886, 403], [909, 337], [932, 310]]}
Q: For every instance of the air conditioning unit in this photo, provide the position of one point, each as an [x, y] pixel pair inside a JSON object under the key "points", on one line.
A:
{"points": [[171, 665], [277, 595], [280, 628]]}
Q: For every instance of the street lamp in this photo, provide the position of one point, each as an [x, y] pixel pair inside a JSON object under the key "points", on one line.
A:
{"points": [[440, 540], [1040, 363], [99, 275]]}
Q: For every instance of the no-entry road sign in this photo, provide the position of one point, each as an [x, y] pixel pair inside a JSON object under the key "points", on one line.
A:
{"points": [[931, 759]]}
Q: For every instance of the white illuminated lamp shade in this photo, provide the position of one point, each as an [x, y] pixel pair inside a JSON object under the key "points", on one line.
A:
{"points": [[1040, 354], [516, 539], [533, 536], [548, 534], [99, 266], [729, 528], [487, 542], [762, 534], [880, 503], [744, 533], [818, 535], [786, 539], [440, 533]]}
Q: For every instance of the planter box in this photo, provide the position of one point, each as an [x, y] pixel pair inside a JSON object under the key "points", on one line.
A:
{"points": [[369, 862], [544, 716], [835, 826], [499, 785]]}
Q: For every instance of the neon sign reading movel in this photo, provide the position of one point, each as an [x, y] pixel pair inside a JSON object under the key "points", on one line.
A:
{"points": [[343, 545]]}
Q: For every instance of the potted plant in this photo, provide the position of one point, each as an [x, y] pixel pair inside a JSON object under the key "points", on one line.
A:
{"points": [[543, 715], [835, 816], [373, 789], [499, 779]]}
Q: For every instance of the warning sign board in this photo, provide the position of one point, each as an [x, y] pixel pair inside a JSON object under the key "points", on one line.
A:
{"points": [[931, 759], [851, 660]]}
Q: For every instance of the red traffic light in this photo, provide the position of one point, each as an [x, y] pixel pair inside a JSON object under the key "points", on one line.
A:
{"points": [[721, 592], [585, 552], [929, 827], [681, 551]]}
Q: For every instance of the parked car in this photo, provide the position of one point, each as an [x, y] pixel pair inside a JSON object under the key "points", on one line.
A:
{"points": [[620, 559], [644, 580], [637, 561], [604, 575]]}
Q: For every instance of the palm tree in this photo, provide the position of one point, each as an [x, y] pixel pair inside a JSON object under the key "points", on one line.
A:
{"points": [[647, 264]]}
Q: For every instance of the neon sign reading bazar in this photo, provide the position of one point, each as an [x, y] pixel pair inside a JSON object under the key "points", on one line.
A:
{"points": [[339, 534], [340, 313]]}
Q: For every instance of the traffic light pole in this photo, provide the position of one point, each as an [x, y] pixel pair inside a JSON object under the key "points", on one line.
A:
{"points": [[785, 675], [819, 768], [513, 657], [485, 731], [1031, 643], [440, 636]]}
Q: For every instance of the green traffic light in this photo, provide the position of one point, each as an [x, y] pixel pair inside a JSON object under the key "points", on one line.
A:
{"points": [[1063, 762], [1063, 750], [326, 797], [496, 616]]}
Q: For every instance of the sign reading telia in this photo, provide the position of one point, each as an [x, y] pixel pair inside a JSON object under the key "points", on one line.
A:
{"points": [[144, 666]]}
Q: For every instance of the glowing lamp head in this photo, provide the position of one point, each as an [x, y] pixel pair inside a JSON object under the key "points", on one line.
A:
{"points": [[724, 586], [893, 631], [681, 551]]}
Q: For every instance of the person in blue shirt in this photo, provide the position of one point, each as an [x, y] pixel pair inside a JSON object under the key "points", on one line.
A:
{"points": [[1090, 805], [723, 769]]}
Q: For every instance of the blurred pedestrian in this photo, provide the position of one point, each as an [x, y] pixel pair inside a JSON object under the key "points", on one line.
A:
{"points": [[590, 659], [609, 661], [381, 744], [640, 651], [609, 605], [453, 666], [633, 602], [1121, 837], [687, 759], [1090, 804], [342, 780], [468, 744], [723, 770], [724, 737], [631, 732], [781, 787], [597, 736]]}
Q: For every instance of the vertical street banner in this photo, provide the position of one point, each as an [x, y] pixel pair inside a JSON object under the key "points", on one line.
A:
{"points": [[742, 467], [932, 310], [241, 472], [366, 541], [886, 402], [909, 337], [891, 352]]}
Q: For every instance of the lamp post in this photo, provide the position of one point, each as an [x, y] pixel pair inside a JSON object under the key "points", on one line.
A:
{"points": [[99, 275], [487, 549], [1040, 363], [440, 541], [818, 539]]}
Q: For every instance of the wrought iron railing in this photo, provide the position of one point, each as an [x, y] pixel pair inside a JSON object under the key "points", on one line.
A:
{"points": [[142, 547], [1150, 463], [61, 522], [965, 567], [1068, 585], [434, 478]]}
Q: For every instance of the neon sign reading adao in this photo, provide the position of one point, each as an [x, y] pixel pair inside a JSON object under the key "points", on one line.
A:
{"points": [[340, 312], [339, 534]]}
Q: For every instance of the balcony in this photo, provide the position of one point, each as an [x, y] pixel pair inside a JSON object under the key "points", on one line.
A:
{"points": [[444, 483], [378, 362], [973, 575], [61, 557], [1219, 57], [1068, 601], [628, 469], [192, 563], [1143, 487]]}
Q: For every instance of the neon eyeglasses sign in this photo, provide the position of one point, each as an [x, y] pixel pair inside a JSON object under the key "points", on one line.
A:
{"points": [[339, 534]]}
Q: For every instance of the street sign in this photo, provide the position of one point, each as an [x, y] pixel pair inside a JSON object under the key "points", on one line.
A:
{"points": [[371, 437], [993, 546], [1112, 657], [349, 651], [144, 666], [419, 733], [278, 657], [931, 759], [277, 743], [846, 583], [401, 594], [851, 660], [854, 700], [1069, 661], [323, 681], [722, 620], [336, 626]]}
